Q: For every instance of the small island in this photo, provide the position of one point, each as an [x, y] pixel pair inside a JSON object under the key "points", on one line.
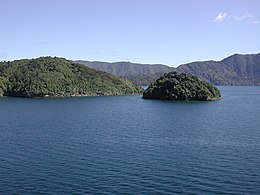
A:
{"points": [[181, 86], [58, 77]]}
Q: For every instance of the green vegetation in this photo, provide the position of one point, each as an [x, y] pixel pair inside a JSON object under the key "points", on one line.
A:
{"points": [[181, 86], [140, 74], [3, 85], [58, 77], [233, 70]]}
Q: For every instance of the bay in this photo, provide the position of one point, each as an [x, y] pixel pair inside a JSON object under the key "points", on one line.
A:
{"points": [[127, 145]]}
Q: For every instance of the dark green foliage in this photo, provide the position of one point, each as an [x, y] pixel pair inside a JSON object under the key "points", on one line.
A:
{"points": [[234, 70], [3, 85], [181, 86], [58, 77]]}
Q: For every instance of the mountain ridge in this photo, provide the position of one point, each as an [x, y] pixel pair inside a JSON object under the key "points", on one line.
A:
{"points": [[119, 68], [237, 69]]}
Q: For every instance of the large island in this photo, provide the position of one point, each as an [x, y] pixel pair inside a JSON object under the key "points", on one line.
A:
{"points": [[181, 86], [58, 77]]}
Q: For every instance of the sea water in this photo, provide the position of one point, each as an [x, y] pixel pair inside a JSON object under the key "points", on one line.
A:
{"points": [[127, 145]]}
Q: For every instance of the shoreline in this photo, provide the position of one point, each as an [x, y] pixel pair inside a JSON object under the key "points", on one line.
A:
{"points": [[70, 96]]}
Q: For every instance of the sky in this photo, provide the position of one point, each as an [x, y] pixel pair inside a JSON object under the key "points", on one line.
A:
{"points": [[170, 32]]}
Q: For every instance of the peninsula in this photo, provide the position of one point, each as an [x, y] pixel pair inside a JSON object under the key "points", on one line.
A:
{"points": [[58, 77]]}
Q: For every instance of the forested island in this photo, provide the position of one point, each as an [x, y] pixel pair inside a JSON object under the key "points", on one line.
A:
{"points": [[181, 86], [58, 77]]}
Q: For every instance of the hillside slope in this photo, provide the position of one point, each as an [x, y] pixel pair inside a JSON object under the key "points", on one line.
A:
{"points": [[141, 74], [58, 77], [234, 70], [126, 68]]}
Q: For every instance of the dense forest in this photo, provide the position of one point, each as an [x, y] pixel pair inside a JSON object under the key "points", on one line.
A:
{"points": [[234, 70], [181, 86], [58, 77]]}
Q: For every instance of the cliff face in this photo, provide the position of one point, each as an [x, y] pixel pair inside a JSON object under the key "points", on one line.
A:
{"points": [[181, 86]]}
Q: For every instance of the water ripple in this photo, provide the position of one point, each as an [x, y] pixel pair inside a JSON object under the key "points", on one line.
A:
{"points": [[126, 145]]}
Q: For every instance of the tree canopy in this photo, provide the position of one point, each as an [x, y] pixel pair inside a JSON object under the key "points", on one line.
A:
{"points": [[181, 86], [58, 77]]}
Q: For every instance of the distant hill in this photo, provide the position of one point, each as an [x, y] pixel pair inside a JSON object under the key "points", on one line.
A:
{"points": [[58, 77], [234, 70], [125, 68], [141, 74]]}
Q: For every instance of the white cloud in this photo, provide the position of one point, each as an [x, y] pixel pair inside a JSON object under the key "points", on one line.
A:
{"points": [[246, 15], [255, 22], [242, 17], [220, 17]]}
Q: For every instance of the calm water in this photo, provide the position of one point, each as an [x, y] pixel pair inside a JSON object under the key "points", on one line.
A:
{"points": [[127, 145]]}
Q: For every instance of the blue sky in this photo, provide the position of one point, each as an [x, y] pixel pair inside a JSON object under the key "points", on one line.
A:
{"points": [[170, 32]]}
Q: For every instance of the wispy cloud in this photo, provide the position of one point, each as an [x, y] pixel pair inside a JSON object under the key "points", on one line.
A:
{"points": [[220, 17], [255, 22], [244, 16]]}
